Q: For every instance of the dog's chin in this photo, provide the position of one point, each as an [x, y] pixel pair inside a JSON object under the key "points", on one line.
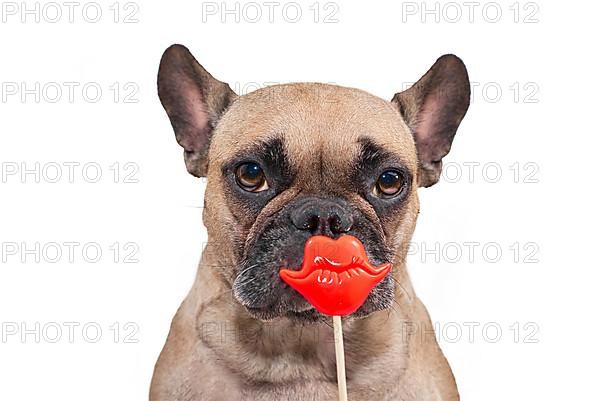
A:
{"points": [[304, 316], [298, 309], [305, 313]]}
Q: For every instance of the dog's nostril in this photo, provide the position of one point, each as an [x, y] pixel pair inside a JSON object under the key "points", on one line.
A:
{"points": [[339, 224], [334, 224], [311, 223]]}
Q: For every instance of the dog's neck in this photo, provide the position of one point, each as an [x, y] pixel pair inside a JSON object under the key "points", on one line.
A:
{"points": [[262, 350]]}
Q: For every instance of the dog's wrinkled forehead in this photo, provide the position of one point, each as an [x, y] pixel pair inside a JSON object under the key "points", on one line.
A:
{"points": [[318, 127]]}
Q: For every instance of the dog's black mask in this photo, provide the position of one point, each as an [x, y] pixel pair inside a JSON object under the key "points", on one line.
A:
{"points": [[258, 286]]}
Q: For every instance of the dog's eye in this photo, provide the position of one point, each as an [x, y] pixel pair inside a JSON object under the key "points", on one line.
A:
{"points": [[388, 184], [251, 177]]}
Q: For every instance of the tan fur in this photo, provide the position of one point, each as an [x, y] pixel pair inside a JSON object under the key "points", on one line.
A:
{"points": [[246, 359]]}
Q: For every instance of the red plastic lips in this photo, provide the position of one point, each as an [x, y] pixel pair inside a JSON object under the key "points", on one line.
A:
{"points": [[336, 276]]}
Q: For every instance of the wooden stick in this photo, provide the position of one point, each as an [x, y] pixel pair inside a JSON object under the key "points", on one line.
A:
{"points": [[339, 358]]}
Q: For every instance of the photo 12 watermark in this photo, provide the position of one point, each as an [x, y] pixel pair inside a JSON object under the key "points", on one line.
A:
{"points": [[270, 12], [70, 172], [452, 252], [522, 92], [471, 332], [68, 332], [491, 172], [475, 252], [68, 252], [69, 92], [68, 12], [470, 12]]}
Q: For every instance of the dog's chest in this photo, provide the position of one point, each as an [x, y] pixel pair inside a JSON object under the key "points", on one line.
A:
{"points": [[311, 376], [321, 391], [294, 391]]}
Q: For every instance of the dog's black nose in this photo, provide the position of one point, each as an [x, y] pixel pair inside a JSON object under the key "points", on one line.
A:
{"points": [[322, 216]]}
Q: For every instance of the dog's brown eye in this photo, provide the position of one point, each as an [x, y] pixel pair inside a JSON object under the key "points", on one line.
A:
{"points": [[389, 184], [250, 177]]}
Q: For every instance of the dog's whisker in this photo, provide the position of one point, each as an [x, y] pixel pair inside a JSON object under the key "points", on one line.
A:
{"points": [[247, 269], [408, 297], [247, 281]]}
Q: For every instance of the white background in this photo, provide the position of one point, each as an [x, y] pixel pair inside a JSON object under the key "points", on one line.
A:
{"points": [[549, 209]]}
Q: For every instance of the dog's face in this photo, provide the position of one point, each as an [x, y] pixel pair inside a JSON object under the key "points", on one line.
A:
{"points": [[290, 161]]}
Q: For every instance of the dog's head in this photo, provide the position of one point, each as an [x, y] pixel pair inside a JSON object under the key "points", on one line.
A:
{"points": [[287, 162]]}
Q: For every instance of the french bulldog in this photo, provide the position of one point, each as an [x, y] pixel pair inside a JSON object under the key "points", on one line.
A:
{"points": [[282, 164]]}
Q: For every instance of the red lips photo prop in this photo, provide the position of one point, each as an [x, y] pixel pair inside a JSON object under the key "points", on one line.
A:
{"points": [[336, 276]]}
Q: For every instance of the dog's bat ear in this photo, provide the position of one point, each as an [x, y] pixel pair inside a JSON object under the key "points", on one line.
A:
{"points": [[433, 108], [194, 102]]}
